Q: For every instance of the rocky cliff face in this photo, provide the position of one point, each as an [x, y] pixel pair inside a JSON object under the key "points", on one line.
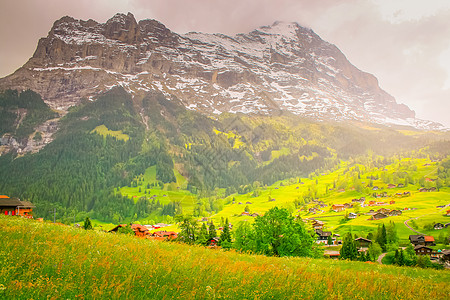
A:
{"points": [[273, 68]]}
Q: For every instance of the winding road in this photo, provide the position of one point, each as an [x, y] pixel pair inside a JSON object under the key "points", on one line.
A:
{"points": [[406, 224], [382, 255]]}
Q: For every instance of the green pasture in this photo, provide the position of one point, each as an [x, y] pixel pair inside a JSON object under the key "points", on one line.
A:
{"points": [[423, 204], [104, 131], [171, 192]]}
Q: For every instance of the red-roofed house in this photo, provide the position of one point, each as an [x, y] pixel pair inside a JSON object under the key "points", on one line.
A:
{"points": [[15, 207], [338, 207], [139, 230], [429, 241]]}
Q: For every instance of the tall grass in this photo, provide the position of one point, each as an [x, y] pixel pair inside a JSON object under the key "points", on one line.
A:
{"points": [[40, 261]]}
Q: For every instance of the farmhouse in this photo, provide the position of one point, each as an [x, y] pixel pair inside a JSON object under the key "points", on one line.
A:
{"points": [[438, 226], [317, 224], [421, 240], [391, 186], [406, 194], [395, 212], [448, 213], [400, 185], [338, 207], [139, 230], [14, 206], [379, 216], [423, 250], [322, 236], [446, 256], [362, 242], [352, 215], [383, 210]]}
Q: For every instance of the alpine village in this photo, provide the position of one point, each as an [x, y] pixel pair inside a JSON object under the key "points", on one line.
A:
{"points": [[140, 163]]}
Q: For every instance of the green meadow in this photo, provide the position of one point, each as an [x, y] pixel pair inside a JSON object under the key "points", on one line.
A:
{"points": [[146, 186], [104, 131], [47, 261], [325, 187], [336, 186]]}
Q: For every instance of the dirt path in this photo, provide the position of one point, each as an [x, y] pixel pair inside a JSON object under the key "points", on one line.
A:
{"points": [[407, 225], [382, 255]]}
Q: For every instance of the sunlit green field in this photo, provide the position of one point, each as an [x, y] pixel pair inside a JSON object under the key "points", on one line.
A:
{"points": [[424, 204], [171, 192], [104, 131], [46, 261]]}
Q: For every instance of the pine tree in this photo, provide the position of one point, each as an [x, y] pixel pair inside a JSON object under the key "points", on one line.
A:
{"points": [[349, 249], [381, 238], [87, 224], [401, 258], [212, 231], [203, 235], [225, 236], [330, 240]]}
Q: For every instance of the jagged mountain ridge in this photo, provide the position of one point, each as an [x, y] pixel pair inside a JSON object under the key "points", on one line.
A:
{"points": [[279, 67]]}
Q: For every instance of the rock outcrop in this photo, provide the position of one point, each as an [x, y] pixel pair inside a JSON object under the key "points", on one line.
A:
{"points": [[279, 67]]}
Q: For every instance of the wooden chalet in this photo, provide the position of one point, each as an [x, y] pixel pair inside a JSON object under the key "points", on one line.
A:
{"points": [[421, 240], [15, 207], [383, 210], [362, 242], [338, 207], [400, 185], [438, 226], [423, 250], [139, 230], [322, 236], [379, 216], [446, 256], [395, 213], [391, 186], [317, 224], [352, 215]]}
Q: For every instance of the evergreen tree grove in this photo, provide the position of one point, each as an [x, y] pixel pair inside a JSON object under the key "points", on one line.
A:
{"points": [[225, 236]]}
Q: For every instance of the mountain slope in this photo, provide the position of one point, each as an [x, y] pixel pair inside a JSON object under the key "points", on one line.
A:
{"points": [[283, 67]]}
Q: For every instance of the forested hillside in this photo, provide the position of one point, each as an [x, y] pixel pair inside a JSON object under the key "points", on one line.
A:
{"points": [[107, 145]]}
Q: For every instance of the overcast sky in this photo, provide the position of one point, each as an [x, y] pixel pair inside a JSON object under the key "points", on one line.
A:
{"points": [[404, 43]]}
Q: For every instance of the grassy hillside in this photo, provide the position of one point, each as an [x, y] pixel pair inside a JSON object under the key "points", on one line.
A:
{"points": [[98, 161], [42, 261], [338, 187]]}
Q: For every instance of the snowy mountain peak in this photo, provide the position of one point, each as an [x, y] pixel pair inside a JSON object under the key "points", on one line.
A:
{"points": [[283, 67]]}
